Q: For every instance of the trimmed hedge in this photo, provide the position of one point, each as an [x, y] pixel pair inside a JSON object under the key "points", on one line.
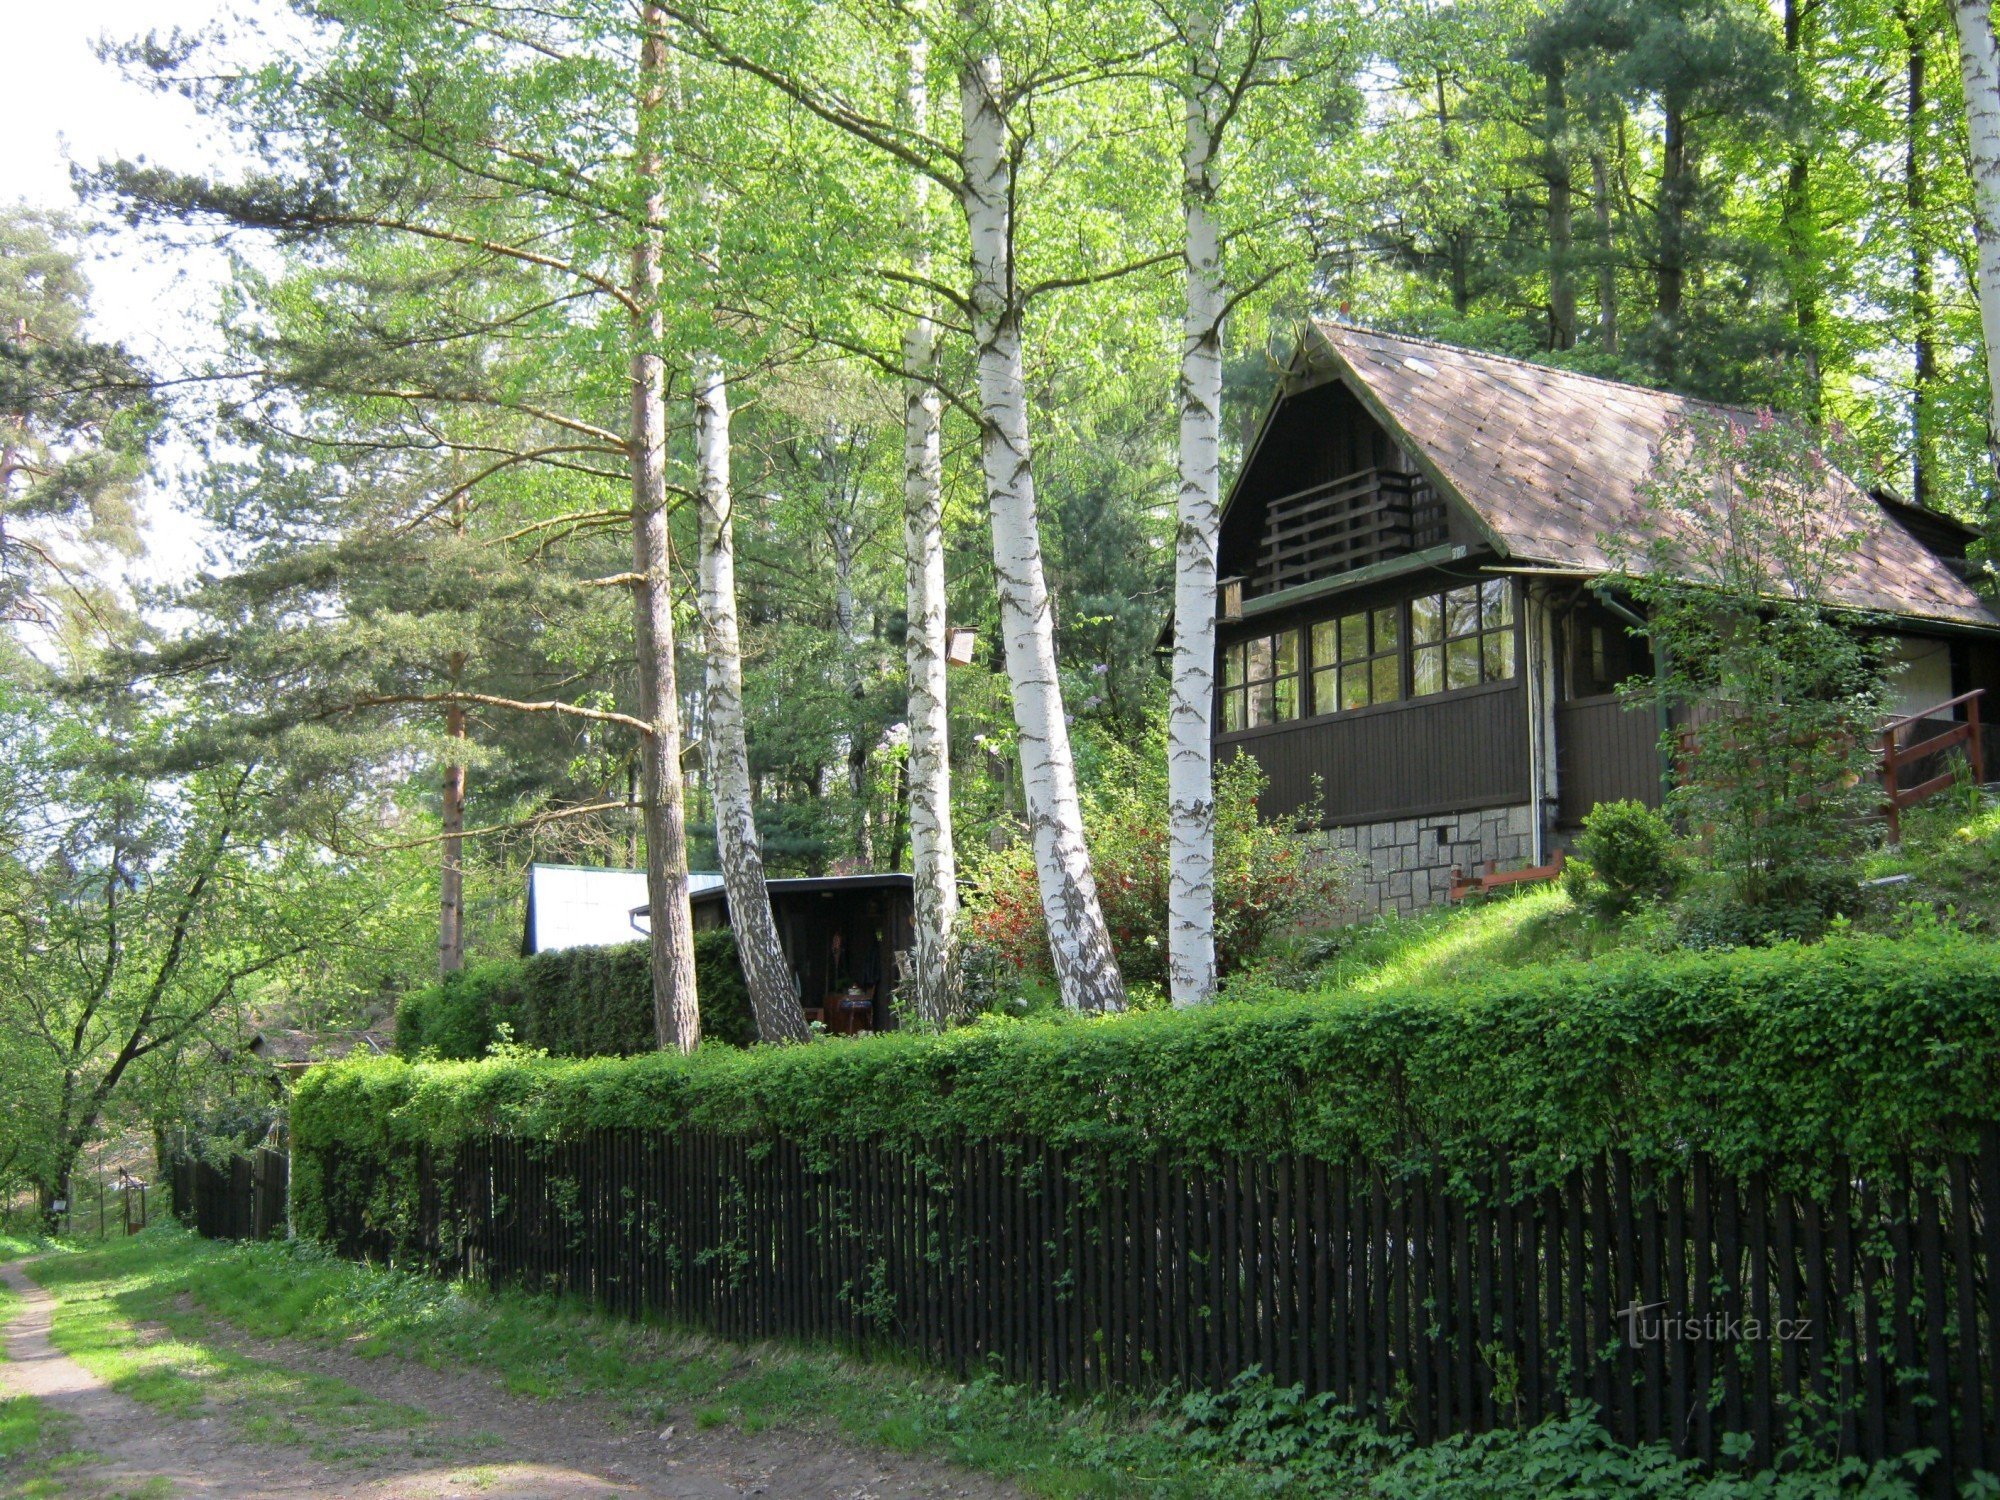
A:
{"points": [[1781, 1057], [576, 1002]]}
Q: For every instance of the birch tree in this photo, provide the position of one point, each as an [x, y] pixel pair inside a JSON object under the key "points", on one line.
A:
{"points": [[1228, 52], [1190, 775], [774, 994], [1085, 967], [933, 855], [1979, 67], [979, 169]]}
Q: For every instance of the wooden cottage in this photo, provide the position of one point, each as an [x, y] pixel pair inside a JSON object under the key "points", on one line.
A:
{"points": [[1421, 625]]}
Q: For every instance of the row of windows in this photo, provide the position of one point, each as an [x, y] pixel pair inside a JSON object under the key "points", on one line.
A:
{"points": [[1434, 643]]}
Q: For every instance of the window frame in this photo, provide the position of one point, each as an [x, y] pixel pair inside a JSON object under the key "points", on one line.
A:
{"points": [[1243, 693], [1310, 669]]}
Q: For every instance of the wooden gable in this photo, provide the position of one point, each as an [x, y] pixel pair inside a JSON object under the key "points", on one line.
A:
{"points": [[1327, 491]]}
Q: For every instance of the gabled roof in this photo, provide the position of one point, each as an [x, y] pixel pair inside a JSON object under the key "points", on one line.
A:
{"points": [[575, 906], [1551, 463]]}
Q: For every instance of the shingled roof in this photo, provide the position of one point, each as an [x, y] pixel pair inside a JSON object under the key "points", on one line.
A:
{"points": [[1551, 463]]}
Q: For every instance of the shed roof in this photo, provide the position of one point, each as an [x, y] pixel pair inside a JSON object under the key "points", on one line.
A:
{"points": [[577, 906], [1551, 463]]}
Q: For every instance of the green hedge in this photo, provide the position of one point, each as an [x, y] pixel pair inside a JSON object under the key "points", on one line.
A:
{"points": [[1783, 1057], [577, 1002]]}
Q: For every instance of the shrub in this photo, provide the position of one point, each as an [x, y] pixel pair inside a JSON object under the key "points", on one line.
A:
{"points": [[1627, 855], [576, 1002], [1864, 1047], [1269, 876]]}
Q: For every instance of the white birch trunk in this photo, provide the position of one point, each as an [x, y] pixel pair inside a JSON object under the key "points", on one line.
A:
{"points": [[1190, 774], [1079, 942], [676, 1013], [932, 982], [774, 994], [1979, 65]]}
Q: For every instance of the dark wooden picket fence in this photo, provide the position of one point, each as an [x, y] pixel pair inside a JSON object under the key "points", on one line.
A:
{"points": [[244, 1200], [1686, 1305]]}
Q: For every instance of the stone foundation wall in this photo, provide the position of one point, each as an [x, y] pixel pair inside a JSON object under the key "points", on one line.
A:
{"points": [[1409, 862]]}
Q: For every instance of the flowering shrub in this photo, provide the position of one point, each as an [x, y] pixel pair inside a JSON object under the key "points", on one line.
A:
{"points": [[1269, 876]]}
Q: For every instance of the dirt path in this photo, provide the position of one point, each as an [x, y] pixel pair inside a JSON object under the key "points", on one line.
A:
{"points": [[480, 1441]]}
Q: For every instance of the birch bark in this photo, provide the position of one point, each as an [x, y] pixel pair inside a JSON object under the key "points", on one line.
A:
{"points": [[774, 994], [1979, 66], [676, 1014], [933, 980], [1079, 941], [1190, 774]]}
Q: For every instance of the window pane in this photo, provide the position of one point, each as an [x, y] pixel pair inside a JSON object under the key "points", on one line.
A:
{"points": [[1326, 691], [1353, 637], [1287, 698], [1499, 653], [1259, 662], [1496, 603], [1288, 653], [1388, 628], [1461, 663], [1354, 686], [1426, 617], [1232, 665], [1326, 643], [1232, 710], [1461, 611], [1427, 670], [1261, 704], [1388, 678]]}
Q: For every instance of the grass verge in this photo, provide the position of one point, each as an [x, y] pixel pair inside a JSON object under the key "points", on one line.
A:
{"points": [[541, 1347], [120, 1313]]}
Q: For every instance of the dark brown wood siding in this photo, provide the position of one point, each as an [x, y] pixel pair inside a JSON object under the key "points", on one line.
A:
{"points": [[1443, 754], [1605, 752]]}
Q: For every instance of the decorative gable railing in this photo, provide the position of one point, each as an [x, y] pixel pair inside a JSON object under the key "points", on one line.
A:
{"points": [[1345, 524]]}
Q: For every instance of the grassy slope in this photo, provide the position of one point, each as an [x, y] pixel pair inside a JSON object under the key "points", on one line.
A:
{"points": [[1950, 852]]}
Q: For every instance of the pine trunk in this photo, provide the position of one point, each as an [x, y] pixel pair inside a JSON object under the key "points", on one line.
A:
{"points": [[1671, 276], [1607, 270], [451, 871], [1555, 172], [676, 1013], [774, 993], [1980, 68], [932, 983], [1801, 232], [1079, 942], [1191, 963]]}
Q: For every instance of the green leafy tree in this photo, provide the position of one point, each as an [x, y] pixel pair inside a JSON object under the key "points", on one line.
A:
{"points": [[1777, 694]]}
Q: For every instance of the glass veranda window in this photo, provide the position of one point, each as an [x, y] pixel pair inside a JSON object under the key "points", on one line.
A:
{"points": [[1260, 681], [1358, 660], [1462, 637]]}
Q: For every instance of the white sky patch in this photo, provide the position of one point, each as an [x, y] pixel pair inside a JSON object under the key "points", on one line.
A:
{"points": [[63, 107]]}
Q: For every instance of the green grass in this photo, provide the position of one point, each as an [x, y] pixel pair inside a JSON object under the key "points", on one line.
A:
{"points": [[1950, 853], [1512, 929], [105, 1300], [538, 1346]]}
